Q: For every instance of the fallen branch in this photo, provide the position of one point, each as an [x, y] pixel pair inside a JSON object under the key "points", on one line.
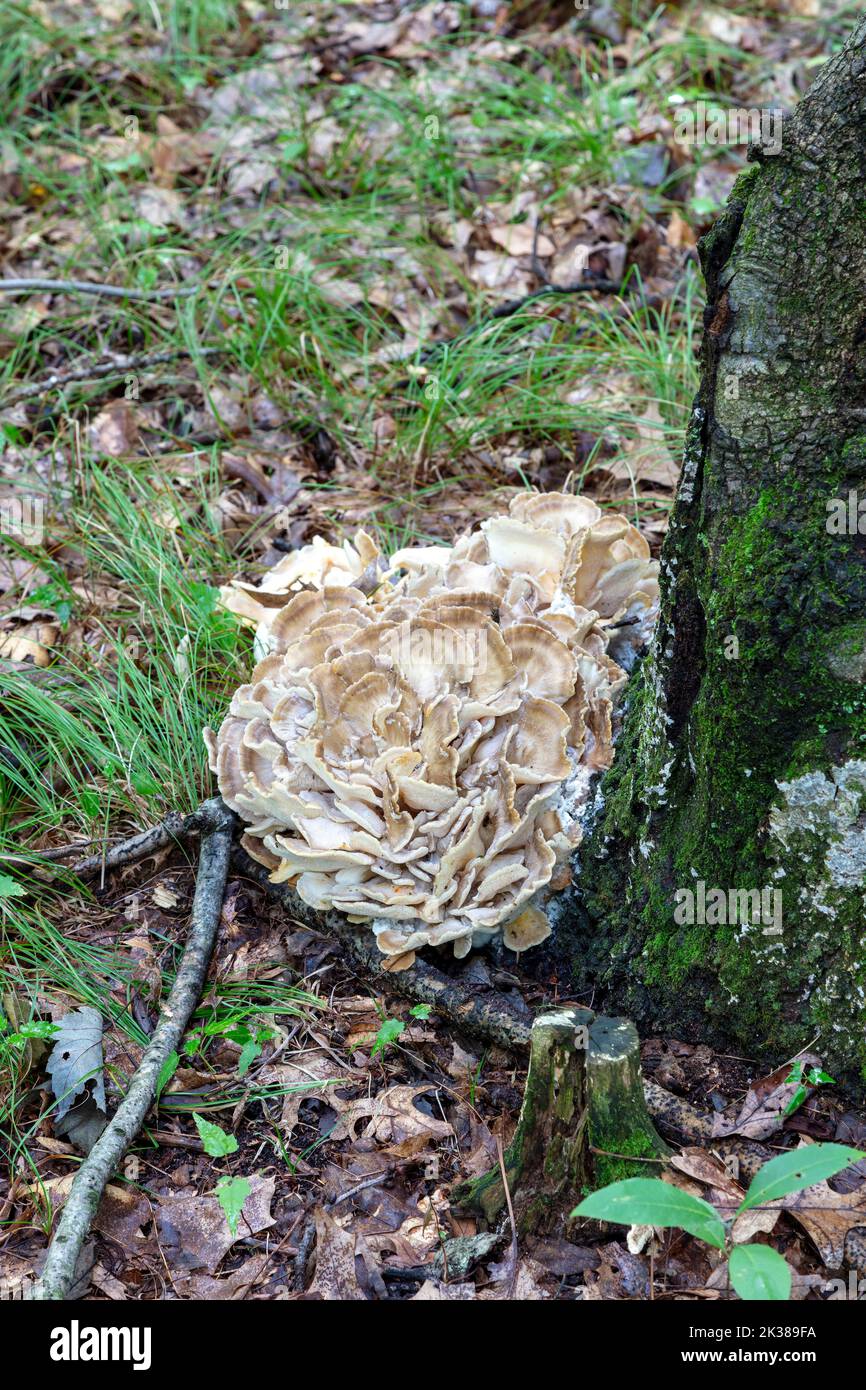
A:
{"points": [[96, 371], [174, 829], [216, 823], [38, 285], [513, 306]]}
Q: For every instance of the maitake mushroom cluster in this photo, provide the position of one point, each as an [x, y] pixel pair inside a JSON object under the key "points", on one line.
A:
{"points": [[414, 746]]}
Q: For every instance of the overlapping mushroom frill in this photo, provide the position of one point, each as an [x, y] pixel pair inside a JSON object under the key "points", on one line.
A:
{"points": [[414, 746]]}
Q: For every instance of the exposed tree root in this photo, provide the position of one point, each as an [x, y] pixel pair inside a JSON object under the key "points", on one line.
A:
{"points": [[492, 1018], [688, 1125], [216, 823]]}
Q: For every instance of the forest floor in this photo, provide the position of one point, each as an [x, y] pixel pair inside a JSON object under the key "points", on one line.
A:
{"points": [[365, 223]]}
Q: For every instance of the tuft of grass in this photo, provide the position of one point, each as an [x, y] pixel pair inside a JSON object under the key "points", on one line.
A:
{"points": [[115, 729]]}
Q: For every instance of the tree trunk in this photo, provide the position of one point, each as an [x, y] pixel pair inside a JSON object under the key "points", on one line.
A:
{"points": [[742, 760]]}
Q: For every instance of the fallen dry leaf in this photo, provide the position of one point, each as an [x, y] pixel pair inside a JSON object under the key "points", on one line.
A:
{"points": [[107, 1284], [235, 1286], [762, 1112], [342, 1260], [161, 207], [32, 642], [724, 1193], [827, 1217], [518, 238], [316, 1074], [194, 1232], [176, 151], [114, 432], [121, 1215], [393, 1117], [432, 1291]]}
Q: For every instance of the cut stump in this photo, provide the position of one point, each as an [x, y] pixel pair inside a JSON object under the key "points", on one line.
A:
{"points": [[583, 1122]]}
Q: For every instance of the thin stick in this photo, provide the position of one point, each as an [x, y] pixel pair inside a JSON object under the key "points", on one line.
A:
{"points": [[93, 287], [96, 1169], [513, 306], [537, 268], [96, 371], [512, 1271], [173, 829]]}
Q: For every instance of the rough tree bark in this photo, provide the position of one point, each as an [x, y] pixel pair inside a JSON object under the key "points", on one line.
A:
{"points": [[742, 762]]}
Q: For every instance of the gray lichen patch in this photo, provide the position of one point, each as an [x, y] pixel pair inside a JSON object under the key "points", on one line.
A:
{"points": [[846, 860], [832, 807], [819, 832]]}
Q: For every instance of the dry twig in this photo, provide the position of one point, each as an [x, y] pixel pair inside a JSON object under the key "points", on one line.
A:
{"points": [[96, 371], [174, 829], [38, 285], [216, 823]]}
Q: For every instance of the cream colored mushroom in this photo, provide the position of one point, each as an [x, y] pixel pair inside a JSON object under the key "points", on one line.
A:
{"points": [[414, 752], [528, 929]]}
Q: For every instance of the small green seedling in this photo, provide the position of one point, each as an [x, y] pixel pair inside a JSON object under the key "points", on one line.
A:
{"points": [[475, 1078], [756, 1271], [217, 1142], [232, 1193], [389, 1031], [28, 1032], [803, 1079], [236, 1030], [392, 1028]]}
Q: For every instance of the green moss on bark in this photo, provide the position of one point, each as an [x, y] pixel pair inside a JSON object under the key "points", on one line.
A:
{"points": [[776, 701]]}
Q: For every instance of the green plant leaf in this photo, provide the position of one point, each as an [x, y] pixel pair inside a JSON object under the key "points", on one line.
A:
{"points": [[796, 1100], [40, 1030], [422, 1011], [758, 1271], [217, 1143], [793, 1171], [249, 1052], [651, 1202], [144, 784], [388, 1033], [232, 1193], [166, 1072]]}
